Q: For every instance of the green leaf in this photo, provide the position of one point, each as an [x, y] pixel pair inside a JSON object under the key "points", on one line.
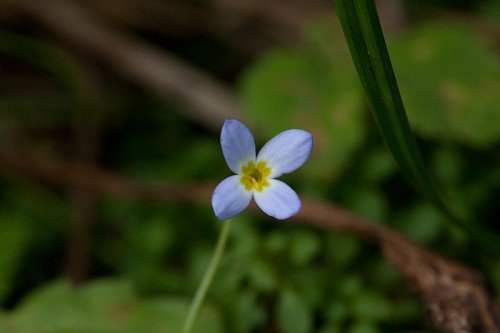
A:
{"points": [[449, 80], [337, 311], [293, 315], [371, 305], [304, 246], [368, 202], [363, 327], [350, 286], [14, 237], [490, 10], [448, 166], [422, 223], [276, 242], [103, 306], [377, 166], [342, 249], [246, 312], [262, 275]]}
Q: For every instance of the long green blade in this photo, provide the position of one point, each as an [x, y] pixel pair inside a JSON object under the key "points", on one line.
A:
{"points": [[368, 49]]}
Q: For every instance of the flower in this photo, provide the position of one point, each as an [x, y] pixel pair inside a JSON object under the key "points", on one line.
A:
{"points": [[255, 175]]}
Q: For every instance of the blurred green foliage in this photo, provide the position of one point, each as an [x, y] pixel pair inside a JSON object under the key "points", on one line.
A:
{"points": [[451, 99], [275, 276], [102, 306]]}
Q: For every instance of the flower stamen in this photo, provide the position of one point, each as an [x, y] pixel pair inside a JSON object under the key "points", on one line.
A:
{"points": [[255, 176]]}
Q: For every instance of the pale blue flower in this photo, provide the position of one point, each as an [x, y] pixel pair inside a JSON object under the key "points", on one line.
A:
{"points": [[255, 174]]}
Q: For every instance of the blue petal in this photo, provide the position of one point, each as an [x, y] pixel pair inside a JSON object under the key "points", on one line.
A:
{"points": [[230, 198], [278, 200], [286, 152], [238, 145]]}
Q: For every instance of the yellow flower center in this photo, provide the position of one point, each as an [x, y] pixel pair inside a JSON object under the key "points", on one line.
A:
{"points": [[255, 176]]}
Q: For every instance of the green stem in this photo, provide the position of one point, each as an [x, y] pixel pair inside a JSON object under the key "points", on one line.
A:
{"points": [[208, 277]]}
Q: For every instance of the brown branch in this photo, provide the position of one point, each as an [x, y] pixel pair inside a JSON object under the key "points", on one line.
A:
{"points": [[206, 101], [455, 296], [76, 176]]}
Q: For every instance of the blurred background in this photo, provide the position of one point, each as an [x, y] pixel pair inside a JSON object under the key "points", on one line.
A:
{"points": [[110, 114]]}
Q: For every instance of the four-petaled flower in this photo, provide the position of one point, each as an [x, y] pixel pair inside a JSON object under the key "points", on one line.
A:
{"points": [[255, 174]]}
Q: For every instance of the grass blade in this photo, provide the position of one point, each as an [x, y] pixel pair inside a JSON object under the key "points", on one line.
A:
{"points": [[366, 42]]}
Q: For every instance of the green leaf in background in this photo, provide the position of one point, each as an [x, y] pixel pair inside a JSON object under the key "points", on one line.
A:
{"points": [[262, 275], [304, 246], [363, 327], [102, 306], [422, 223], [293, 316], [14, 239], [147, 247], [371, 305], [490, 9], [368, 202], [449, 80], [342, 249], [246, 312], [377, 167], [313, 88]]}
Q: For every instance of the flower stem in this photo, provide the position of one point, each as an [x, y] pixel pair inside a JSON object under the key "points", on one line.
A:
{"points": [[207, 278]]}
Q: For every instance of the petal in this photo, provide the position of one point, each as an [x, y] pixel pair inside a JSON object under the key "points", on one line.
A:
{"points": [[286, 152], [238, 145], [230, 198], [278, 200]]}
